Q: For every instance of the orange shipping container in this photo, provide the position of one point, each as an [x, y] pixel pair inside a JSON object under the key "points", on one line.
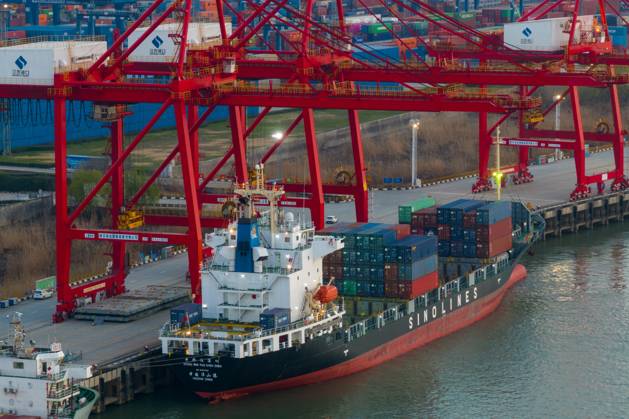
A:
{"points": [[43, 19]]}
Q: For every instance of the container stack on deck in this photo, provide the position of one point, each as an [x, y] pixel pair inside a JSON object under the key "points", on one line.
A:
{"points": [[406, 211], [410, 267], [382, 261], [471, 231], [474, 229]]}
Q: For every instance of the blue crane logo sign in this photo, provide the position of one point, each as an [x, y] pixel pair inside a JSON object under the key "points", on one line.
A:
{"points": [[527, 32], [21, 63], [157, 41]]}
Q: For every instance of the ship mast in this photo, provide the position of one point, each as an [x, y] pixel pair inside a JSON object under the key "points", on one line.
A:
{"points": [[17, 333], [498, 172], [257, 188]]}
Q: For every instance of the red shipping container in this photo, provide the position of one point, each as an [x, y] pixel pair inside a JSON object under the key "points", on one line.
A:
{"points": [[391, 289], [426, 217], [589, 7], [401, 230], [390, 272], [494, 247], [444, 232], [418, 231], [488, 233], [418, 286], [469, 219]]}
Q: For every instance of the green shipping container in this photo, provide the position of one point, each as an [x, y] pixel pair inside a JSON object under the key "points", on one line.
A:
{"points": [[349, 287], [466, 16], [377, 28], [46, 283], [405, 212]]}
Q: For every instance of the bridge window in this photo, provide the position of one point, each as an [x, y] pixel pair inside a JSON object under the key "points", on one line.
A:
{"points": [[18, 365]]}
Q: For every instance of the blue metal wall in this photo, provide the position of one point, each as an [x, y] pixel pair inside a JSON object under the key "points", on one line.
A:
{"points": [[33, 126]]}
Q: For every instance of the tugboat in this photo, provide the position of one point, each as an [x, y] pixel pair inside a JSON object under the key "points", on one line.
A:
{"points": [[268, 321], [36, 383]]}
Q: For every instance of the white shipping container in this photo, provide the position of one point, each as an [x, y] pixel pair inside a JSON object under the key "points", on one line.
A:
{"points": [[545, 34], [366, 19], [37, 63], [160, 46]]}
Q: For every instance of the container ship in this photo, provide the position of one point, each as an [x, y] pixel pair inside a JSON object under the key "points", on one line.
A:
{"points": [[283, 305]]}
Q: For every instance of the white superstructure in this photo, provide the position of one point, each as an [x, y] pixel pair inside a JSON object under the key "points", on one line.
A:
{"points": [[34, 381], [262, 263], [283, 275]]}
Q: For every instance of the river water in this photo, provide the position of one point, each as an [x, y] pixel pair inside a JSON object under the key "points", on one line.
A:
{"points": [[558, 346]]}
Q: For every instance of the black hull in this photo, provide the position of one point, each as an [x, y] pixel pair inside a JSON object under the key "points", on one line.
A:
{"points": [[332, 355]]}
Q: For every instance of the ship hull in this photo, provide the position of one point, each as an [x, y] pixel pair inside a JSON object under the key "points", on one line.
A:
{"points": [[332, 356]]}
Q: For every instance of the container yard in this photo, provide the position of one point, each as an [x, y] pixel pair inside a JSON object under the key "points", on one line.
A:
{"points": [[224, 277]]}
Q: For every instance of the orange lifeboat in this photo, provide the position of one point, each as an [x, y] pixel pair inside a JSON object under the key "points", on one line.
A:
{"points": [[326, 294]]}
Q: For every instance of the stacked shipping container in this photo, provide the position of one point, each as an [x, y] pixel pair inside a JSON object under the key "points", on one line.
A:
{"points": [[400, 261], [381, 260], [474, 229], [405, 212], [410, 267], [469, 228]]}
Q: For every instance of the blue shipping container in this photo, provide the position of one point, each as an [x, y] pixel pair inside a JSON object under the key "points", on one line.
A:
{"points": [[469, 250], [418, 269], [618, 34], [444, 248], [493, 212], [456, 249], [419, 247], [376, 289], [274, 317], [452, 212], [456, 232], [469, 236], [186, 314]]}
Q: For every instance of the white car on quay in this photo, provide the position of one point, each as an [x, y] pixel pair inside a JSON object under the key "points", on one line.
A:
{"points": [[42, 294]]}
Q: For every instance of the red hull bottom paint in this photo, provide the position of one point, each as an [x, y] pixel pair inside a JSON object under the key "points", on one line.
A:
{"points": [[421, 336]]}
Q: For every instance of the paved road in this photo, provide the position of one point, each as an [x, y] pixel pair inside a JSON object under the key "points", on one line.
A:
{"points": [[26, 169], [103, 342], [553, 184]]}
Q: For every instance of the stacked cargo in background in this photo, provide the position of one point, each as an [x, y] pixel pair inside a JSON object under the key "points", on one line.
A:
{"points": [[494, 229], [472, 229], [425, 222], [410, 267], [363, 260], [520, 217], [333, 263], [381, 260], [450, 221], [406, 211]]}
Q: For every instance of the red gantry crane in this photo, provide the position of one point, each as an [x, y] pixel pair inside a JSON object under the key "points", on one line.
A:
{"points": [[319, 71]]}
